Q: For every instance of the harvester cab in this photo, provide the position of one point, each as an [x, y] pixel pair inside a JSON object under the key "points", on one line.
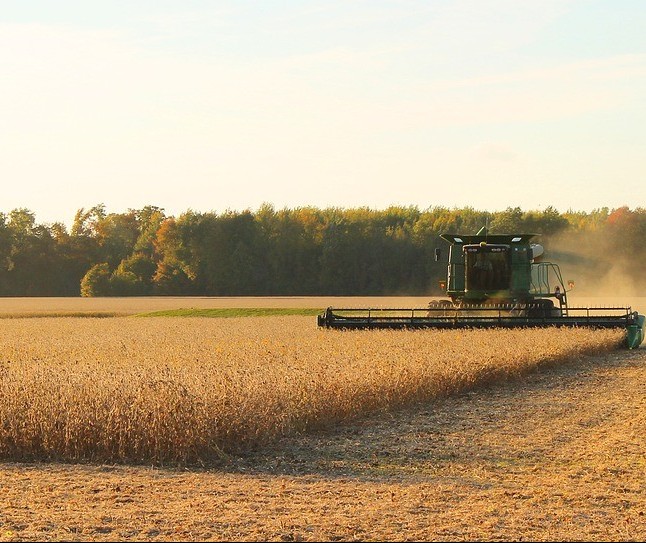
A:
{"points": [[498, 280], [489, 269]]}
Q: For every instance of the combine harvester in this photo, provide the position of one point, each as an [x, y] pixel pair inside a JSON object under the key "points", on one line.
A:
{"points": [[494, 281]]}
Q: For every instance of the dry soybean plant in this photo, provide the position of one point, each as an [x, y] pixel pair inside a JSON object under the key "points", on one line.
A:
{"points": [[168, 390]]}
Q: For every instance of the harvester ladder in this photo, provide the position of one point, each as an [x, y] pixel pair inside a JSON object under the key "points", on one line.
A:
{"points": [[540, 285], [540, 278]]}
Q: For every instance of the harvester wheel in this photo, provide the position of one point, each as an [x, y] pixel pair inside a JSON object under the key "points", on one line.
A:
{"points": [[542, 309]]}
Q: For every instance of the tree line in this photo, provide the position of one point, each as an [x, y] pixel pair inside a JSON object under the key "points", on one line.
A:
{"points": [[301, 251]]}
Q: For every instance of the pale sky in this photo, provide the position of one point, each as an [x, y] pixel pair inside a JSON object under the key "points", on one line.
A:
{"points": [[215, 105]]}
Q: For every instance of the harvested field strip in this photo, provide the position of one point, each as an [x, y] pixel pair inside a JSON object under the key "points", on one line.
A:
{"points": [[169, 390], [556, 456], [227, 312]]}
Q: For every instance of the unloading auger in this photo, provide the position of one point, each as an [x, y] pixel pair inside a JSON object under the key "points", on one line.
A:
{"points": [[494, 281]]}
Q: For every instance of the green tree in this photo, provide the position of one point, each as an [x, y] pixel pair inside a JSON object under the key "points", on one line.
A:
{"points": [[509, 221], [6, 243], [96, 282], [289, 251], [133, 276]]}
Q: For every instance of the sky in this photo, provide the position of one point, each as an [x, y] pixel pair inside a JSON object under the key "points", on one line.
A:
{"points": [[227, 105]]}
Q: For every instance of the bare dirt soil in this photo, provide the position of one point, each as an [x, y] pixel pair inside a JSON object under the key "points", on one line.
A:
{"points": [[557, 456]]}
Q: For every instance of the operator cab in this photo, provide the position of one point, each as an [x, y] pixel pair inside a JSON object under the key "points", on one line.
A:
{"points": [[487, 267], [500, 268]]}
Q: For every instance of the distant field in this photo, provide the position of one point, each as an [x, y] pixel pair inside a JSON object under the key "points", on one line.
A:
{"points": [[106, 307], [132, 305], [229, 312]]}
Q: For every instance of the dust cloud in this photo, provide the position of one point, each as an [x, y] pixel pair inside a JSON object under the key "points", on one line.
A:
{"points": [[597, 266]]}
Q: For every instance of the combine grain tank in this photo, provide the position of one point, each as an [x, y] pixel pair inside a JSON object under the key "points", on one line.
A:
{"points": [[494, 281]]}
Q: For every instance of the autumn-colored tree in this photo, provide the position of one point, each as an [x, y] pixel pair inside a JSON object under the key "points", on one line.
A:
{"points": [[170, 279], [149, 220]]}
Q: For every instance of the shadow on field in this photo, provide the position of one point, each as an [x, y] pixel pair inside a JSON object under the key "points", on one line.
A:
{"points": [[503, 426]]}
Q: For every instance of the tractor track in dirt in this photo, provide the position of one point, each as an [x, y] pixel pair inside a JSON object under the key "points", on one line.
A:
{"points": [[558, 455]]}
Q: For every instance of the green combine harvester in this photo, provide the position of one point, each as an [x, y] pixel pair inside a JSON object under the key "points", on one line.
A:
{"points": [[494, 281]]}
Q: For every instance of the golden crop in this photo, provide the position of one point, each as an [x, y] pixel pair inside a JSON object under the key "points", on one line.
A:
{"points": [[169, 390]]}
